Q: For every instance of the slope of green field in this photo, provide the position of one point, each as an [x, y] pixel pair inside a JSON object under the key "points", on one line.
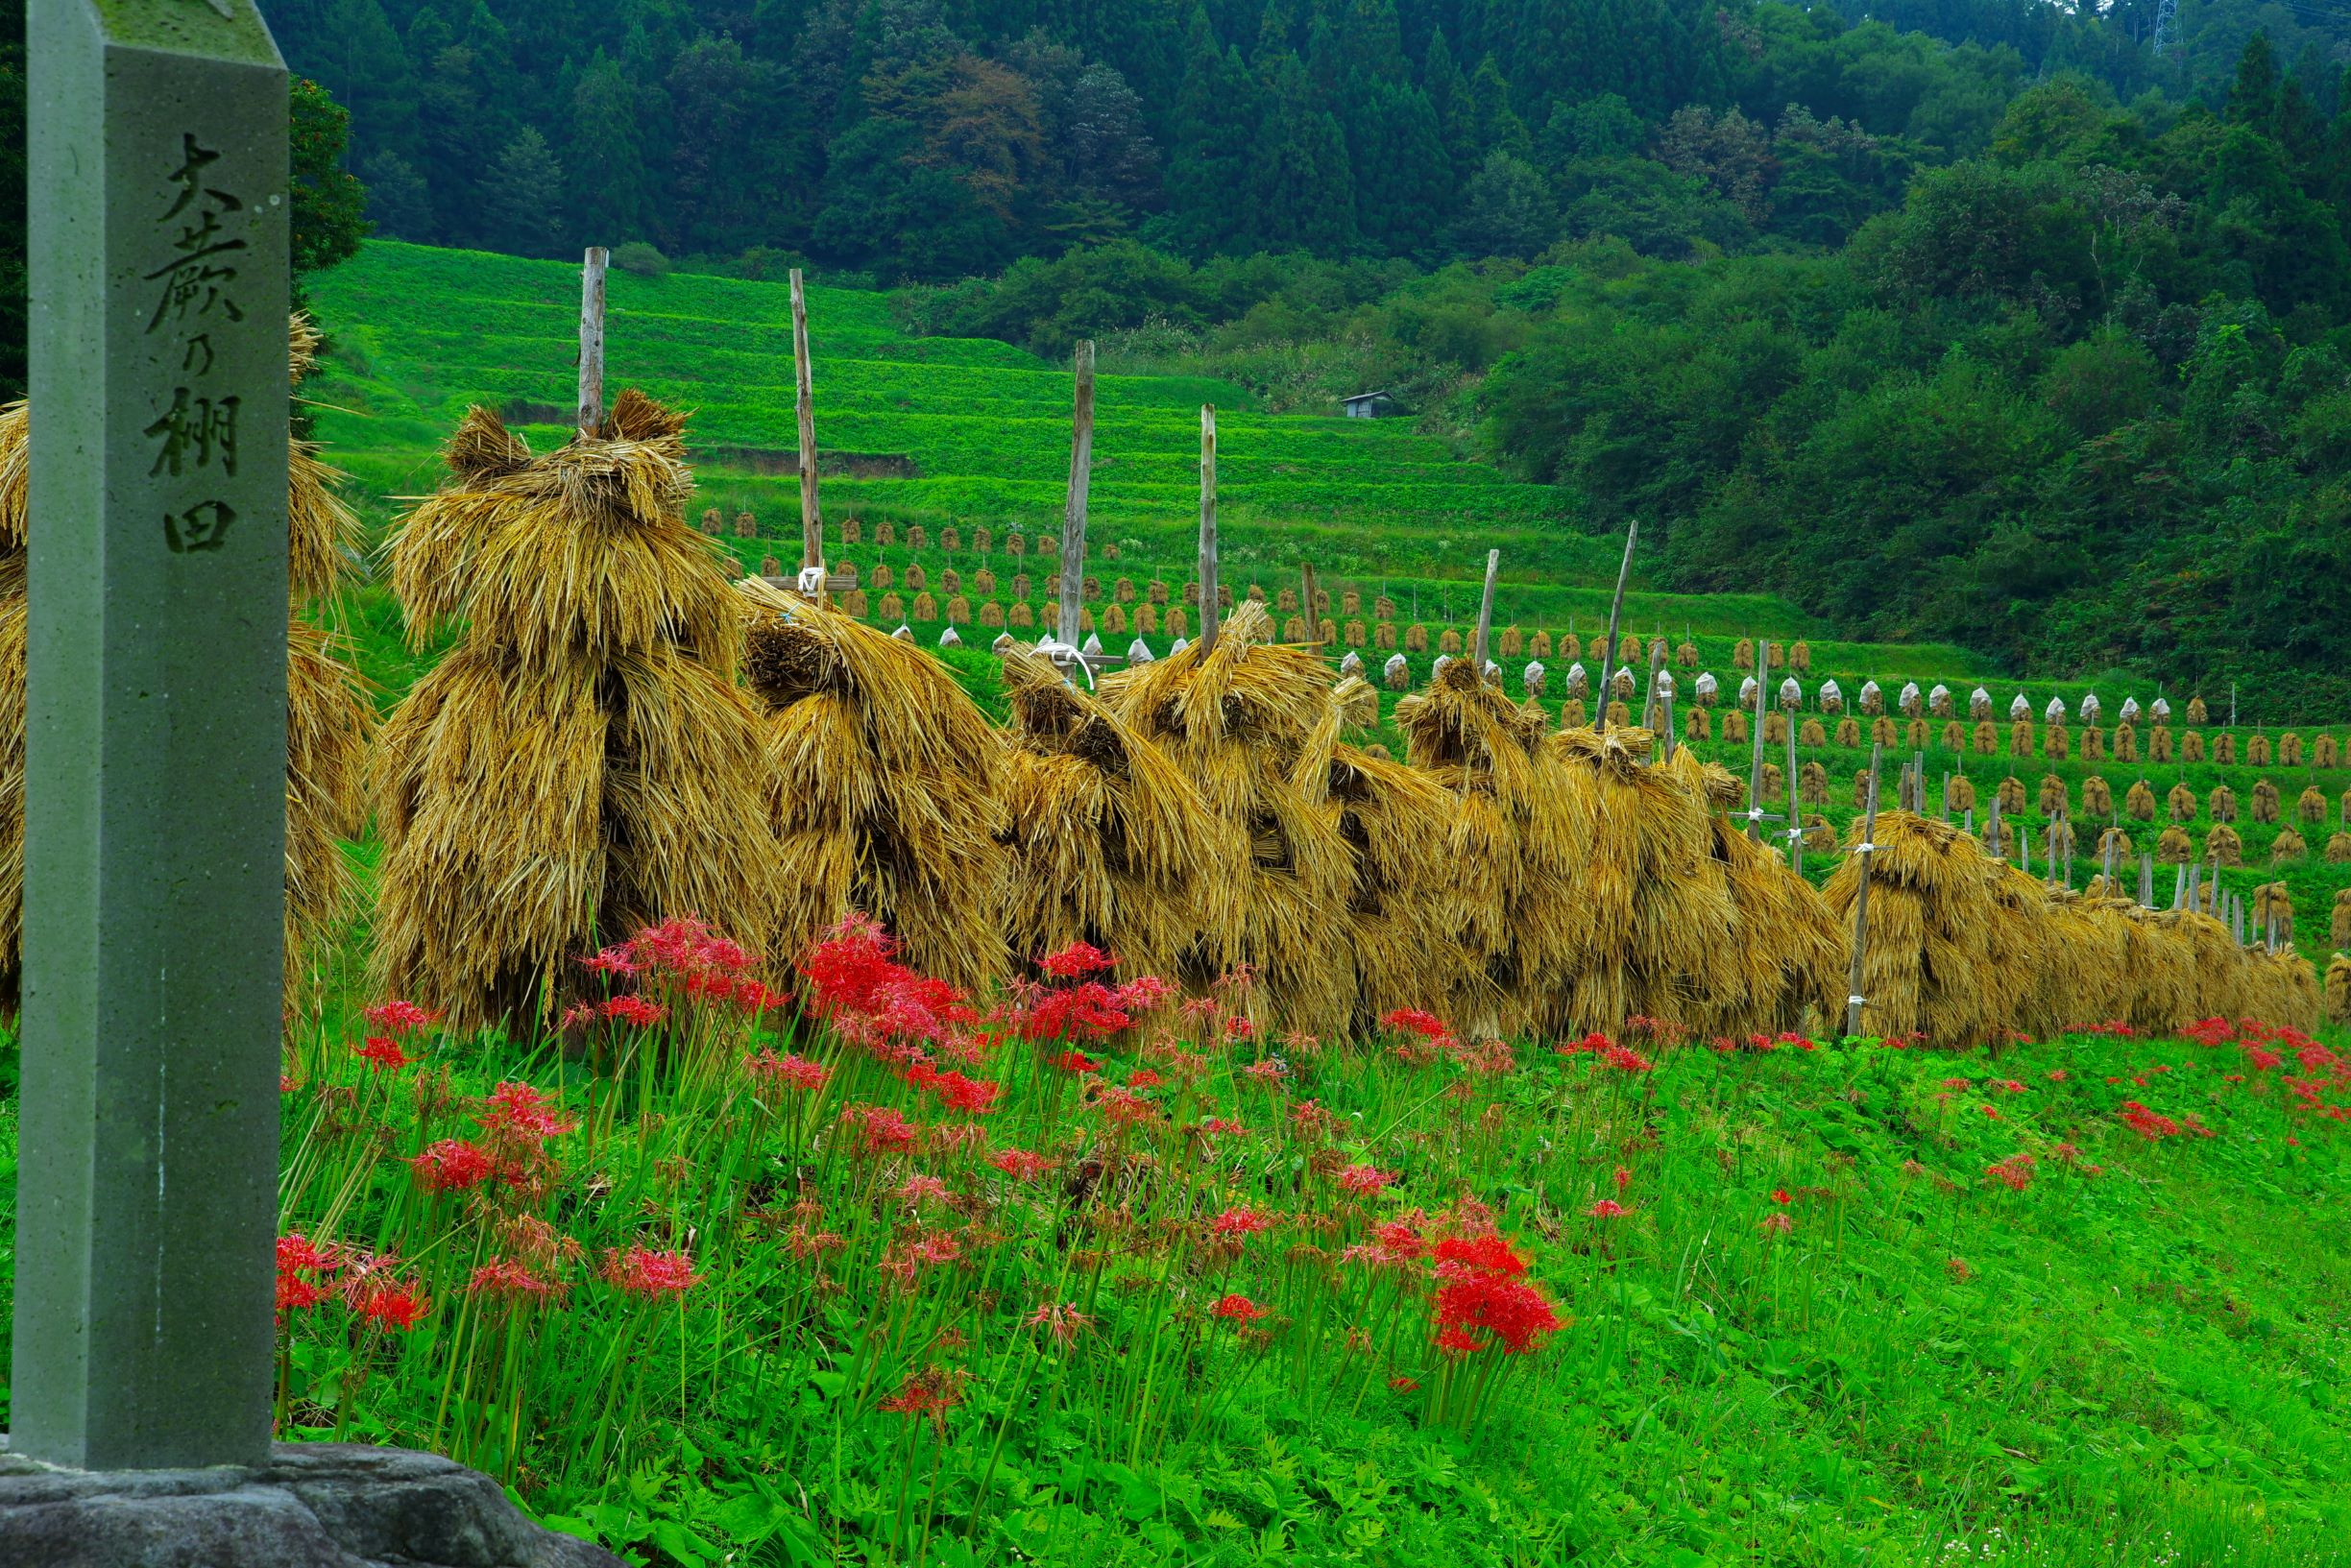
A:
{"points": [[975, 433]]}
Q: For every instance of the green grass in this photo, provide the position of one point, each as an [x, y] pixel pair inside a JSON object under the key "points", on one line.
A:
{"points": [[2139, 1363]]}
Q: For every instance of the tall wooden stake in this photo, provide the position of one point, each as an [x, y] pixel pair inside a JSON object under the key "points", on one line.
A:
{"points": [[1624, 574], [1860, 937], [591, 340], [2146, 880], [1081, 482], [1755, 768], [1208, 531], [1314, 617], [1485, 626], [1795, 818], [804, 404]]}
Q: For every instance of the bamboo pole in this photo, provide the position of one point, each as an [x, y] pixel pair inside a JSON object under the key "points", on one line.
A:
{"points": [[591, 339], [1208, 531], [1860, 937], [1624, 573], [804, 402], [1485, 626], [2146, 880], [1081, 482]]}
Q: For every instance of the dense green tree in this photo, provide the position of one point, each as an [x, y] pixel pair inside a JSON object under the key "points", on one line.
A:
{"points": [[608, 190], [1507, 209], [1213, 142], [1300, 190], [523, 197], [329, 204]]}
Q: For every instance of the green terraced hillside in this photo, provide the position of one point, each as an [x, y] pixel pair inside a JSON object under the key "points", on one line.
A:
{"points": [[976, 433]]}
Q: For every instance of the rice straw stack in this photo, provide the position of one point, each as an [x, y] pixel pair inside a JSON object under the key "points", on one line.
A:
{"points": [[1656, 921], [885, 785], [1947, 942], [1518, 842], [1109, 843], [581, 760], [1251, 724], [1785, 942]]}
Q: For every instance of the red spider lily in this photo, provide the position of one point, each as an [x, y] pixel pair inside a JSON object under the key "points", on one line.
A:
{"points": [[1958, 1083], [1366, 1180], [1485, 1254], [1239, 1309], [850, 965], [2015, 1173], [1404, 1385], [635, 1011], [1077, 960], [1119, 1108], [1072, 1061], [1776, 1224], [399, 1018], [1400, 1242], [886, 1131], [1608, 1208], [609, 961], [2210, 1032], [1310, 1120], [1222, 1124], [2151, 1125], [689, 949], [1240, 1027], [1241, 1221], [451, 1166], [1512, 1313], [1625, 1061], [384, 1054], [1142, 995], [1456, 1342], [2057, 1074], [1265, 1072], [392, 1304], [786, 1072], [1779, 1195], [297, 1257], [919, 1190], [2008, 1086], [645, 1272], [525, 1113], [1088, 1011], [975, 1097], [807, 1243], [1415, 1021], [1020, 1164], [1958, 1270], [1623, 1178], [930, 1393], [503, 1279], [1061, 1319], [1143, 1078]]}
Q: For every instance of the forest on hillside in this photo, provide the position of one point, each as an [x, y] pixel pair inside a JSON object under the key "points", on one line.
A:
{"points": [[1979, 320]]}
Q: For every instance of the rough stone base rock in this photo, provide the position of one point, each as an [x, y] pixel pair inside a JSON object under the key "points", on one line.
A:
{"points": [[313, 1506]]}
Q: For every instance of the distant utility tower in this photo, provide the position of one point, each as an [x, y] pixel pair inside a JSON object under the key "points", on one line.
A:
{"points": [[2166, 25]]}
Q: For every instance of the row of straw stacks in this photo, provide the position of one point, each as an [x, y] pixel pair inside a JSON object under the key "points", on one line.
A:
{"points": [[1964, 949], [586, 757]]}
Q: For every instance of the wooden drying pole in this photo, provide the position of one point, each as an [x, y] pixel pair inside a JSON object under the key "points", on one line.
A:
{"points": [[2146, 880], [1860, 937], [1754, 765], [1663, 704], [1795, 827], [804, 401], [1314, 617], [591, 340], [1207, 532], [1485, 629], [1624, 573], [1081, 482]]}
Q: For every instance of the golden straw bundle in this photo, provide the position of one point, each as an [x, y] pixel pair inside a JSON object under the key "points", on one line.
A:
{"points": [[885, 787], [581, 761]]}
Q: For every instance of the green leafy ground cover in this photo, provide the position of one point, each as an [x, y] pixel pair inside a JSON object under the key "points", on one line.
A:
{"points": [[1825, 1328]]}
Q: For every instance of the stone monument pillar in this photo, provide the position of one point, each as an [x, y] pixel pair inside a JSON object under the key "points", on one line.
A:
{"points": [[154, 822]]}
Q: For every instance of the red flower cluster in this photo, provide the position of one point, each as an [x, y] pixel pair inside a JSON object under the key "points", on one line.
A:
{"points": [[1366, 1180], [1020, 1164], [862, 988], [787, 1072], [886, 1131], [1079, 958], [1483, 1298], [297, 1257], [958, 1091], [503, 1279], [523, 1114], [1239, 1309], [2015, 1173], [1608, 1208], [451, 1166], [644, 1272], [400, 1019], [2150, 1125], [1622, 1058], [384, 1053], [1237, 1224]]}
